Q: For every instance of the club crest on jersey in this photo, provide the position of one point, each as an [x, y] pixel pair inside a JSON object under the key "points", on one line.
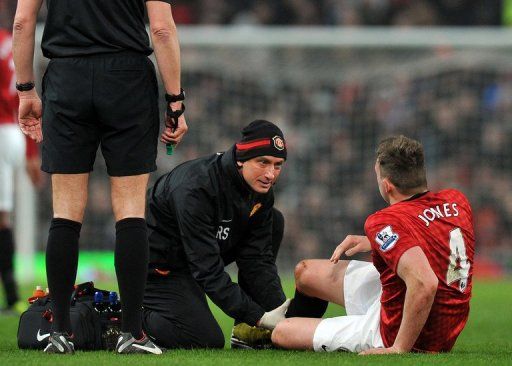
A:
{"points": [[386, 238]]}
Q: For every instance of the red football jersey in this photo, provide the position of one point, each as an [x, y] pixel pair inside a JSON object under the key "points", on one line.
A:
{"points": [[441, 224], [8, 95]]}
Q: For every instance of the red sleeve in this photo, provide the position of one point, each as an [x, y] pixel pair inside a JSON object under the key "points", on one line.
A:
{"points": [[32, 150], [389, 239], [6, 74], [8, 95]]}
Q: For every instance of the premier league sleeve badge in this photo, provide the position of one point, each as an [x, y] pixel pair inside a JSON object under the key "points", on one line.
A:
{"points": [[386, 238]]}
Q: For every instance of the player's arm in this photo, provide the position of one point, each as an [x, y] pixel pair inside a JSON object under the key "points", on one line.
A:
{"points": [[164, 37], [421, 281], [30, 109]]}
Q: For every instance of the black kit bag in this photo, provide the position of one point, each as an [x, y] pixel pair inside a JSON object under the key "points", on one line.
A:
{"points": [[36, 322]]}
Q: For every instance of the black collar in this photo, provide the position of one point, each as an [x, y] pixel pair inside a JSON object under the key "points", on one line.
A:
{"points": [[229, 166], [417, 195]]}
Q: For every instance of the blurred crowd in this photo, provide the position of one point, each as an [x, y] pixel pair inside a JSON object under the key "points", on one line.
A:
{"points": [[339, 12]]}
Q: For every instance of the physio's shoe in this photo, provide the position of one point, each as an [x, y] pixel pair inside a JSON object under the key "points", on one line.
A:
{"points": [[128, 344], [60, 343]]}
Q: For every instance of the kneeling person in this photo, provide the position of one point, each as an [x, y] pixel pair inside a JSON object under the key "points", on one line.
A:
{"points": [[202, 216], [415, 296]]}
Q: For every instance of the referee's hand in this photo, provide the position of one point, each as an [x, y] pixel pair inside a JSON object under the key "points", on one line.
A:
{"points": [[174, 135], [29, 115]]}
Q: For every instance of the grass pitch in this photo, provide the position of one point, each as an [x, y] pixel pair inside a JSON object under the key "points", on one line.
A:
{"points": [[486, 340]]}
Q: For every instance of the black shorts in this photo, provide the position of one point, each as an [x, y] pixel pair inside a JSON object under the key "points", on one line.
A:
{"points": [[109, 99]]}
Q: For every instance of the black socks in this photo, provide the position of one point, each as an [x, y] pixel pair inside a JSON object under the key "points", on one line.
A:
{"points": [[131, 256], [131, 262], [306, 307], [61, 267], [7, 266]]}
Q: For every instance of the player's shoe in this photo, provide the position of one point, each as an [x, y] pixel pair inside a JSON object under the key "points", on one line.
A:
{"points": [[60, 343], [244, 336], [128, 344]]}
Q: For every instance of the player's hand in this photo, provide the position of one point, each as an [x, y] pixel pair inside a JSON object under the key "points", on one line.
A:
{"points": [[34, 172], [351, 245], [171, 135], [29, 115], [270, 319], [382, 351]]}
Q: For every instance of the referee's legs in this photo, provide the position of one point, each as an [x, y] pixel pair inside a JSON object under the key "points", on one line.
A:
{"points": [[69, 200], [131, 252]]}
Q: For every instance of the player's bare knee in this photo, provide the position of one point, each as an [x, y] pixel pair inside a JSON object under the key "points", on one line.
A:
{"points": [[299, 268], [303, 275]]}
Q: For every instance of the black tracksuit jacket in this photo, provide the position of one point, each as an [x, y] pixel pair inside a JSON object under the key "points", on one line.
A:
{"points": [[200, 217]]}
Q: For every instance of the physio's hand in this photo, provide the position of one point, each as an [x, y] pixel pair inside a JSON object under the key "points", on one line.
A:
{"points": [[270, 319], [382, 351], [351, 245], [29, 115]]}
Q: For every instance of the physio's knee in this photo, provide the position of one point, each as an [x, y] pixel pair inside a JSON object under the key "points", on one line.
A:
{"points": [[213, 340], [210, 337]]}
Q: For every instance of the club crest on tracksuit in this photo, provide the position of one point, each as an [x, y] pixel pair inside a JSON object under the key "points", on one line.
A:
{"points": [[386, 238], [255, 209]]}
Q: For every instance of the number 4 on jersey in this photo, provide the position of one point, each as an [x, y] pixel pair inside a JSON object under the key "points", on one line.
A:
{"points": [[458, 268]]}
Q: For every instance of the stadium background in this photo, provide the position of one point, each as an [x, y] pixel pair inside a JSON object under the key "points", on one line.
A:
{"points": [[346, 73], [337, 76]]}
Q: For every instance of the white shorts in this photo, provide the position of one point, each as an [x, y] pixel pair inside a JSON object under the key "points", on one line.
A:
{"points": [[359, 330], [12, 156]]}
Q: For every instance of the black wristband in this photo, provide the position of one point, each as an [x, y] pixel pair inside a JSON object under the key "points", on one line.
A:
{"points": [[25, 86], [175, 114], [171, 98]]}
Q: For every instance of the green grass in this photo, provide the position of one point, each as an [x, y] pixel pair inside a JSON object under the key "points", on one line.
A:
{"points": [[486, 340]]}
